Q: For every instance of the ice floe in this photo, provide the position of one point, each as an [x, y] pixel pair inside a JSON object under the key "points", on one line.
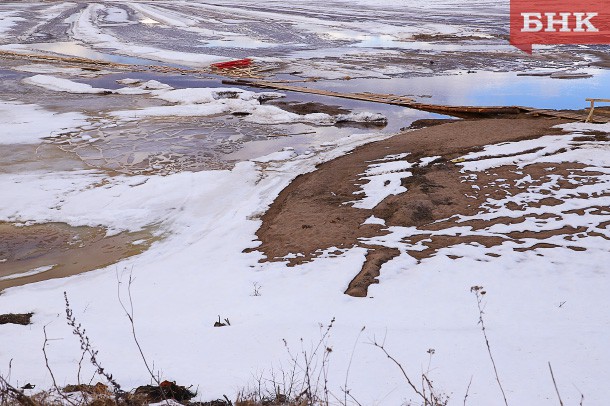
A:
{"points": [[29, 123]]}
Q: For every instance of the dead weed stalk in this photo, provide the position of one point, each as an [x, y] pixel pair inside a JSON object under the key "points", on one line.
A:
{"points": [[479, 292]]}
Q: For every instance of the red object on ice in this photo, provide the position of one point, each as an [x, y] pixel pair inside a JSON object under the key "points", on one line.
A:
{"points": [[239, 63]]}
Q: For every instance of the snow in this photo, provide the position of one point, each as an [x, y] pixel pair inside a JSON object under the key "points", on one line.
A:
{"points": [[46, 68], [542, 305], [202, 102], [543, 149], [32, 272], [277, 156], [84, 29], [199, 272], [213, 101], [384, 178], [374, 220], [63, 85], [29, 123], [378, 187], [116, 15], [8, 19]]}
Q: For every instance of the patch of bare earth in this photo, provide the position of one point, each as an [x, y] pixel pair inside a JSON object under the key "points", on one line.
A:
{"points": [[314, 212], [33, 253], [13, 318]]}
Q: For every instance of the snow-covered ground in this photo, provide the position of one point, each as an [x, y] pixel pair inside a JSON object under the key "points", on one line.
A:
{"points": [[543, 304], [28, 123]]}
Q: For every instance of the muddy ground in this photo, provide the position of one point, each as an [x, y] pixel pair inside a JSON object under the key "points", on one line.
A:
{"points": [[313, 213], [58, 250]]}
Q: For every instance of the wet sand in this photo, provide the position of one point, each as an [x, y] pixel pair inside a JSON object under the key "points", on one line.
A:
{"points": [[313, 213], [40, 252]]}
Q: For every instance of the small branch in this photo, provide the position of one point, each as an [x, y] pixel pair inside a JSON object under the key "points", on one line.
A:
{"points": [[353, 398], [46, 361], [478, 291], [19, 396], [130, 315], [85, 345], [399, 365], [555, 385], [80, 367], [467, 391], [345, 388]]}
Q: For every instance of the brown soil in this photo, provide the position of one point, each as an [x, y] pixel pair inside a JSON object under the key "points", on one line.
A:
{"points": [[313, 213], [428, 122], [375, 258], [70, 250], [11, 318], [309, 107]]}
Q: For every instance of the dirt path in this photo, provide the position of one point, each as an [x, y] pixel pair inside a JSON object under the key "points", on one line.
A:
{"points": [[313, 213]]}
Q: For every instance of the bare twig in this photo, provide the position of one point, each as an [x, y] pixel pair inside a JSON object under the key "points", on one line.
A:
{"points": [[18, 395], [467, 391], [582, 397], [555, 385], [349, 365], [130, 315], [308, 380], [479, 292], [257, 289], [352, 398], [85, 345], [80, 367], [46, 361], [10, 370], [404, 373]]}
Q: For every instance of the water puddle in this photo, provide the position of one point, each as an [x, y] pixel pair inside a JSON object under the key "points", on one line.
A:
{"points": [[33, 253], [486, 89], [176, 81]]}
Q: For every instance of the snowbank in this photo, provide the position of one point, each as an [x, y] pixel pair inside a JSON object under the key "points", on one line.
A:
{"points": [[63, 85], [29, 123]]}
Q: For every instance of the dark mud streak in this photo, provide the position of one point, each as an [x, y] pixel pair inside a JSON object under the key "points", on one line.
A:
{"points": [[375, 259], [22, 319]]}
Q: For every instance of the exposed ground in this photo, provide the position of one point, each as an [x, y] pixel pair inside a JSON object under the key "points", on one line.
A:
{"points": [[315, 213], [11, 318], [32, 253]]}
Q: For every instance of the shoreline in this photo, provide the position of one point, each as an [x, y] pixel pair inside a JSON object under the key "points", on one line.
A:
{"points": [[314, 214]]}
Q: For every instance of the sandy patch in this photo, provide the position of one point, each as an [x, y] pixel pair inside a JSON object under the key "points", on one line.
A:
{"points": [[316, 211]]}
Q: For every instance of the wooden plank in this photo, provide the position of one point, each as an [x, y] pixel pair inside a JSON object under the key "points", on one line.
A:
{"points": [[599, 100], [410, 103]]}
